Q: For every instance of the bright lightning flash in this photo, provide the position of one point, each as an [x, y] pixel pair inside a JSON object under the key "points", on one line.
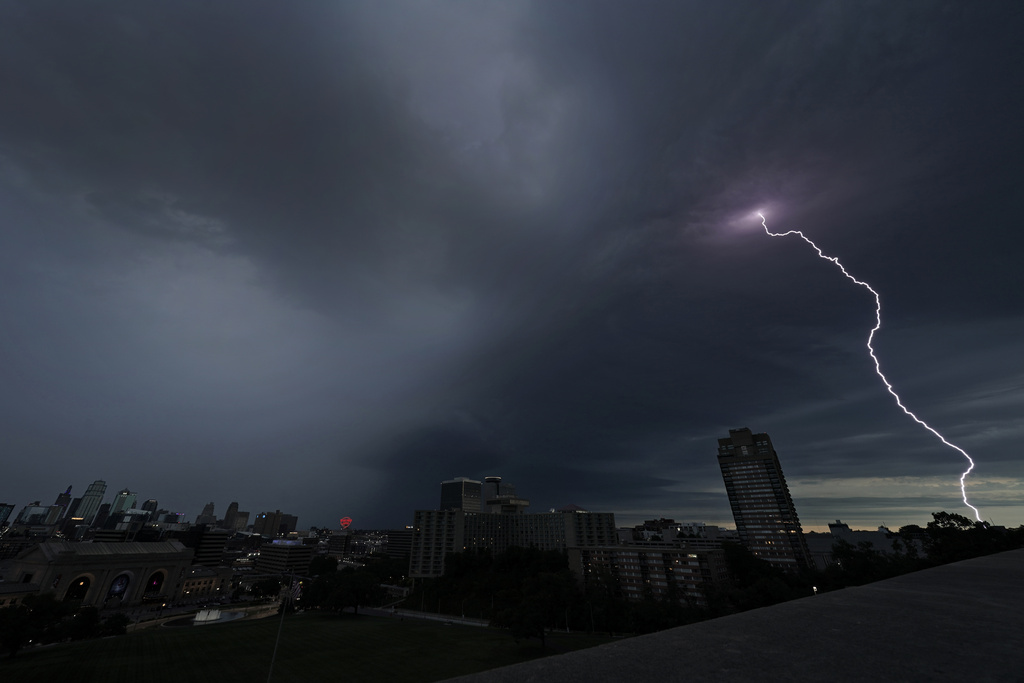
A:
{"points": [[871, 351]]}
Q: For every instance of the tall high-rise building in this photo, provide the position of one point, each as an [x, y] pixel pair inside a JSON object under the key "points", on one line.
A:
{"points": [[230, 516], [762, 506], [90, 504], [460, 493], [102, 515], [63, 500], [274, 524], [207, 516], [241, 520], [500, 497], [124, 500], [151, 506], [5, 512]]}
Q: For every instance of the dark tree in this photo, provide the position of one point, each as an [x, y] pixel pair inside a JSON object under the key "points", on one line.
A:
{"points": [[323, 565]]}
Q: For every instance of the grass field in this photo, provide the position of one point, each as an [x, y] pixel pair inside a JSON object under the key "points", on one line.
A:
{"points": [[313, 648]]}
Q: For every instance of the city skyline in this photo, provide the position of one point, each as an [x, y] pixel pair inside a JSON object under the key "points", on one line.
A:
{"points": [[325, 257]]}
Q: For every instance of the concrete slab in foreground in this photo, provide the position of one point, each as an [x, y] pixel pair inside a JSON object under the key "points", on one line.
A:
{"points": [[960, 622]]}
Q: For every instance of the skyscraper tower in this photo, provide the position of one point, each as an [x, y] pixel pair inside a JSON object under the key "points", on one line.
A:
{"points": [[63, 500], [124, 500], [207, 516], [90, 504], [460, 493], [151, 507], [766, 518], [230, 516]]}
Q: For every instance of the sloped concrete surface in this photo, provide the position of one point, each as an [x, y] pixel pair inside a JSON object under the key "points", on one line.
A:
{"points": [[959, 622]]}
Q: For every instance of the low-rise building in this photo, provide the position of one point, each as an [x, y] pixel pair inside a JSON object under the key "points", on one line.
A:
{"points": [[284, 557], [651, 572]]}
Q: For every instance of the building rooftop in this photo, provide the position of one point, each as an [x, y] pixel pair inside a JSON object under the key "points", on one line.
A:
{"points": [[958, 622], [53, 549]]}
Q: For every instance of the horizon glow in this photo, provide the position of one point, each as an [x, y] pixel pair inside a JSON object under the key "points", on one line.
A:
{"points": [[871, 352]]}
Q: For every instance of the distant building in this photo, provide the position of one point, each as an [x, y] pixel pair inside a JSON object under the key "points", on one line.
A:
{"points": [[207, 516], [151, 506], [38, 515], [63, 501], [274, 524], [90, 504], [288, 524], [241, 521], [229, 516], [267, 524], [502, 523], [339, 544], [72, 509], [101, 516], [399, 542], [123, 500], [103, 575], [5, 512], [204, 584], [284, 557], [439, 532], [882, 541], [110, 535], [660, 573], [501, 497], [207, 543], [762, 506], [174, 518], [460, 493]]}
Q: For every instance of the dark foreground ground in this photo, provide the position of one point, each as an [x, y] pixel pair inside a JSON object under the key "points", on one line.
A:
{"points": [[959, 622], [313, 648]]}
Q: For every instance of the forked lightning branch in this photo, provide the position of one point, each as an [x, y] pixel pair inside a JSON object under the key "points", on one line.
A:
{"points": [[871, 351]]}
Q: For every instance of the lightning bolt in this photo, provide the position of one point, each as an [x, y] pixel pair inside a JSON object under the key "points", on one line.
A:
{"points": [[871, 351]]}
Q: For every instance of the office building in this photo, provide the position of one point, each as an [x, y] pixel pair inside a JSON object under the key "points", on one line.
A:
{"points": [[288, 524], [399, 542], [72, 509], [284, 557], [460, 493], [63, 501], [207, 543], [207, 516], [241, 521], [39, 515], [151, 506], [274, 524], [762, 506], [123, 500], [5, 512], [100, 520], [90, 504], [229, 516], [500, 497], [658, 573], [436, 533]]}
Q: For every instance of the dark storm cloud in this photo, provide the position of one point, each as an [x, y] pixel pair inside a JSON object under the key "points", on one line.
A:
{"points": [[333, 254]]}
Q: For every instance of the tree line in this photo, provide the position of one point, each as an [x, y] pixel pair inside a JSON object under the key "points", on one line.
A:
{"points": [[42, 619]]}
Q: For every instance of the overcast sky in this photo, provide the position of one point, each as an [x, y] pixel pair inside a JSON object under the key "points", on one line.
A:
{"points": [[321, 256]]}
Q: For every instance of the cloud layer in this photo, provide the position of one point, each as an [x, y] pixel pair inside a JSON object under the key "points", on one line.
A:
{"points": [[322, 257]]}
